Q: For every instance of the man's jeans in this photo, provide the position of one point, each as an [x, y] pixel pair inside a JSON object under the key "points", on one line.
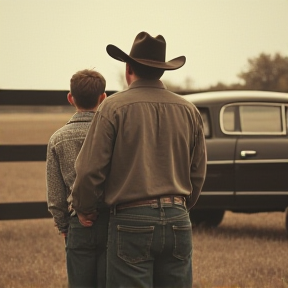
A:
{"points": [[150, 247], [86, 252]]}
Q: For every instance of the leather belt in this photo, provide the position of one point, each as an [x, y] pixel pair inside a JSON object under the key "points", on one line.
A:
{"points": [[178, 200]]}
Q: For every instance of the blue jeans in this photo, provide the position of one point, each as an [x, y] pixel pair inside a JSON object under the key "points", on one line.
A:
{"points": [[86, 252], [150, 247]]}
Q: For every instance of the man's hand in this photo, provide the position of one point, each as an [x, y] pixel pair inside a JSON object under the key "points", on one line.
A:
{"points": [[87, 219]]}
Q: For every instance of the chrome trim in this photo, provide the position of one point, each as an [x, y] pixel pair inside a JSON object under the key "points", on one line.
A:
{"points": [[261, 193], [284, 118], [281, 105], [216, 193], [254, 133], [217, 162], [256, 161], [243, 193]]}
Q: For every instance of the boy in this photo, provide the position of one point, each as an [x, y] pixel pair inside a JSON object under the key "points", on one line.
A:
{"points": [[85, 240]]}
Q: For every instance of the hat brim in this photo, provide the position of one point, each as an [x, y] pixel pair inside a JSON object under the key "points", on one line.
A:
{"points": [[119, 55]]}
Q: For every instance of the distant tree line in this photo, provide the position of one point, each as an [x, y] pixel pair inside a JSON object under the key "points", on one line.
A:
{"points": [[265, 72]]}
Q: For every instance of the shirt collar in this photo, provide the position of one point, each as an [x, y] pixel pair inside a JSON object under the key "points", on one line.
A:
{"points": [[86, 116], [147, 83]]}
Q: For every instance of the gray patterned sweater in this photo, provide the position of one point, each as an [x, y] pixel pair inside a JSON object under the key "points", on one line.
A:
{"points": [[62, 151]]}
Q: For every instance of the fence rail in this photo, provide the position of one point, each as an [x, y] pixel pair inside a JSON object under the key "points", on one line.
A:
{"points": [[18, 153], [24, 210]]}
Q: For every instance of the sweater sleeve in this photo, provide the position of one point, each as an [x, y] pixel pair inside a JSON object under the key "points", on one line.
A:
{"points": [[56, 191]]}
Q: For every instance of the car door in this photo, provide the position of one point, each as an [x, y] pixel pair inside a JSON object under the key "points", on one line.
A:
{"points": [[261, 157]]}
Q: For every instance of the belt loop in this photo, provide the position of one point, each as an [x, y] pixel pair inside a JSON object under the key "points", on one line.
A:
{"points": [[184, 201]]}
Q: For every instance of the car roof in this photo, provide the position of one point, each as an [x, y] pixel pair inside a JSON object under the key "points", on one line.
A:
{"points": [[230, 96]]}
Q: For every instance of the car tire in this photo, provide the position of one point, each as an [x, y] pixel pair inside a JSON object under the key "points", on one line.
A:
{"points": [[206, 218]]}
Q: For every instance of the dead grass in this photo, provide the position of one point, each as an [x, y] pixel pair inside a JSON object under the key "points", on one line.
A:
{"points": [[245, 251], [30, 128], [23, 181], [32, 255]]}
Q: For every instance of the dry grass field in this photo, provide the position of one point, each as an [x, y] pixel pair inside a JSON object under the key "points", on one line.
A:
{"points": [[245, 251]]}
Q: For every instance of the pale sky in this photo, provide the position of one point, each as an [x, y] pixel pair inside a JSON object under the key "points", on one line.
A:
{"points": [[44, 42]]}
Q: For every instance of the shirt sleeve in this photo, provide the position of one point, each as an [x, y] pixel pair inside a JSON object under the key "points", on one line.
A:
{"points": [[198, 164], [56, 191], [92, 165]]}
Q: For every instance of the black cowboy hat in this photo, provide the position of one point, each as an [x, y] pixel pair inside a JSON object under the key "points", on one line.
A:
{"points": [[148, 51]]}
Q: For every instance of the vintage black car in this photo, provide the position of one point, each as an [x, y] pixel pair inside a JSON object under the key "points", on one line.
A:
{"points": [[247, 146]]}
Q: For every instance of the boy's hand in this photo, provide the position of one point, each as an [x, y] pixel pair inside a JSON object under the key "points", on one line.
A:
{"points": [[87, 219]]}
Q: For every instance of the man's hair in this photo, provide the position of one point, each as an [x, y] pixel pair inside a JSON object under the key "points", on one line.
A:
{"points": [[146, 72], [86, 86]]}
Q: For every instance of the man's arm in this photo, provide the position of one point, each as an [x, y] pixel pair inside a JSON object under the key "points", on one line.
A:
{"points": [[92, 166], [198, 167]]}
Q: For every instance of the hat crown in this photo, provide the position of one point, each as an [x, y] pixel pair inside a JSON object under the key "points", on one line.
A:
{"points": [[148, 47], [148, 51]]}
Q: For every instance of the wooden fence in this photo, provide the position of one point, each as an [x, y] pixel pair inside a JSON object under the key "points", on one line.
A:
{"points": [[18, 153]]}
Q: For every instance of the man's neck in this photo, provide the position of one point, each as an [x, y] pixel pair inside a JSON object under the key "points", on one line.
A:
{"points": [[132, 78]]}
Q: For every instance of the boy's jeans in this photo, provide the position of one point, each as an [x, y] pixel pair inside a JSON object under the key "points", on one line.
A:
{"points": [[86, 252], [150, 247]]}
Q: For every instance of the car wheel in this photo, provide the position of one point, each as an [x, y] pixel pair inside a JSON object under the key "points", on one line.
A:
{"points": [[207, 218]]}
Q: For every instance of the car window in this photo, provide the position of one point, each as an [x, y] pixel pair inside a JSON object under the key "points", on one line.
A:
{"points": [[253, 118], [205, 117], [260, 118], [229, 118]]}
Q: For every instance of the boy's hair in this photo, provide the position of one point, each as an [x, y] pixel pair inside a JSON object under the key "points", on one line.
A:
{"points": [[146, 72], [86, 86]]}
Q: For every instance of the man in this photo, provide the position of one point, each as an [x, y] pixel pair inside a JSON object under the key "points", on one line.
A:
{"points": [[145, 153], [86, 246]]}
